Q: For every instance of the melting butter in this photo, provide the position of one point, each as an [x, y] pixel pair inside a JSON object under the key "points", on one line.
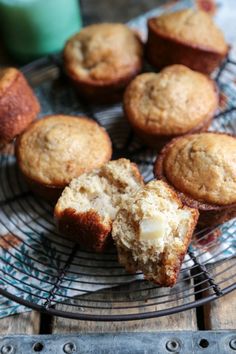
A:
{"points": [[153, 229]]}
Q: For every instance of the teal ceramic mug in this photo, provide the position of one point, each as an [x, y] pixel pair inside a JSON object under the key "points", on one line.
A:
{"points": [[33, 28]]}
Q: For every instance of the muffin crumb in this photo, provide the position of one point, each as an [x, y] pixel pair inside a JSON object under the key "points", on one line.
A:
{"points": [[87, 207], [152, 232]]}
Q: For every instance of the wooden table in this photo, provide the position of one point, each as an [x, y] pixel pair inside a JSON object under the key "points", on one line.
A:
{"points": [[217, 315], [220, 314]]}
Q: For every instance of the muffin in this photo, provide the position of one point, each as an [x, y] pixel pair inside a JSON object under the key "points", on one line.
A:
{"points": [[152, 232], [202, 170], [102, 59], [57, 148], [176, 101], [18, 104], [87, 207], [188, 37]]}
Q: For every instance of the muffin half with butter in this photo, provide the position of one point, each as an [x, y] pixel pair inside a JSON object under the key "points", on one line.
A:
{"points": [[88, 206], [152, 232], [202, 170], [188, 37], [176, 101], [102, 59], [55, 149]]}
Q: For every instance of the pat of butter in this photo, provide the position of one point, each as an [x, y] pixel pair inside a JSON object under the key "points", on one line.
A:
{"points": [[152, 229]]}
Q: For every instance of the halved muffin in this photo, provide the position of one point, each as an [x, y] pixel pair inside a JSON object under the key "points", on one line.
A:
{"points": [[188, 37], [202, 170], [152, 232], [102, 59], [57, 148], [18, 104], [87, 207], [176, 101]]}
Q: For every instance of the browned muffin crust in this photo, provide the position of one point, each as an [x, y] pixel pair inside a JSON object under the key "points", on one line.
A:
{"points": [[160, 106], [93, 234], [18, 104], [158, 142], [57, 148], [211, 214], [102, 59], [187, 37]]}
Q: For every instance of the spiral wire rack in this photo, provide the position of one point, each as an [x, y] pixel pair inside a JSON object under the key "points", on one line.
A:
{"points": [[41, 270]]}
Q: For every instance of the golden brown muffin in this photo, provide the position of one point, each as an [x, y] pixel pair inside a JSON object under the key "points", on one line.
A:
{"points": [[173, 102], [188, 37], [202, 169], [152, 232], [55, 149], [18, 104], [86, 209], [102, 59]]}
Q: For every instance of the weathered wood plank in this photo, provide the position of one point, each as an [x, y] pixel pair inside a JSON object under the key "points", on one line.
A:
{"points": [[221, 314], [180, 321], [25, 323]]}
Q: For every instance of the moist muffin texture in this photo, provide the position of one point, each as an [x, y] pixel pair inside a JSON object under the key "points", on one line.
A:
{"points": [[173, 102], [152, 232], [185, 37], [55, 149], [18, 104], [103, 58], [202, 168], [87, 207]]}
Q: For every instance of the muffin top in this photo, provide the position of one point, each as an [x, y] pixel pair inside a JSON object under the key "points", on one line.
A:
{"points": [[204, 167], [194, 27], [103, 53], [7, 77], [57, 148], [171, 102]]}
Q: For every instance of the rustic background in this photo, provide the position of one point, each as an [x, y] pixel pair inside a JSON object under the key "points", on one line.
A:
{"points": [[217, 315]]}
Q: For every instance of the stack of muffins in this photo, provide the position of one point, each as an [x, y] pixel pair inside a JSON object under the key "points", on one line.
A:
{"points": [[170, 110]]}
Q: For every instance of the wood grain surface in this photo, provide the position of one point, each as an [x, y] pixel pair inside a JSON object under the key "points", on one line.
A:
{"points": [[25, 323], [221, 314], [178, 321]]}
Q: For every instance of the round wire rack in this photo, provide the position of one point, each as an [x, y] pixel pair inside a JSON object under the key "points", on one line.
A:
{"points": [[42, 270]]}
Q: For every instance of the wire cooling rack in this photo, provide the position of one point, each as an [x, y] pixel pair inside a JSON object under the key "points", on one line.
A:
{"points": [[41, 270]]}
